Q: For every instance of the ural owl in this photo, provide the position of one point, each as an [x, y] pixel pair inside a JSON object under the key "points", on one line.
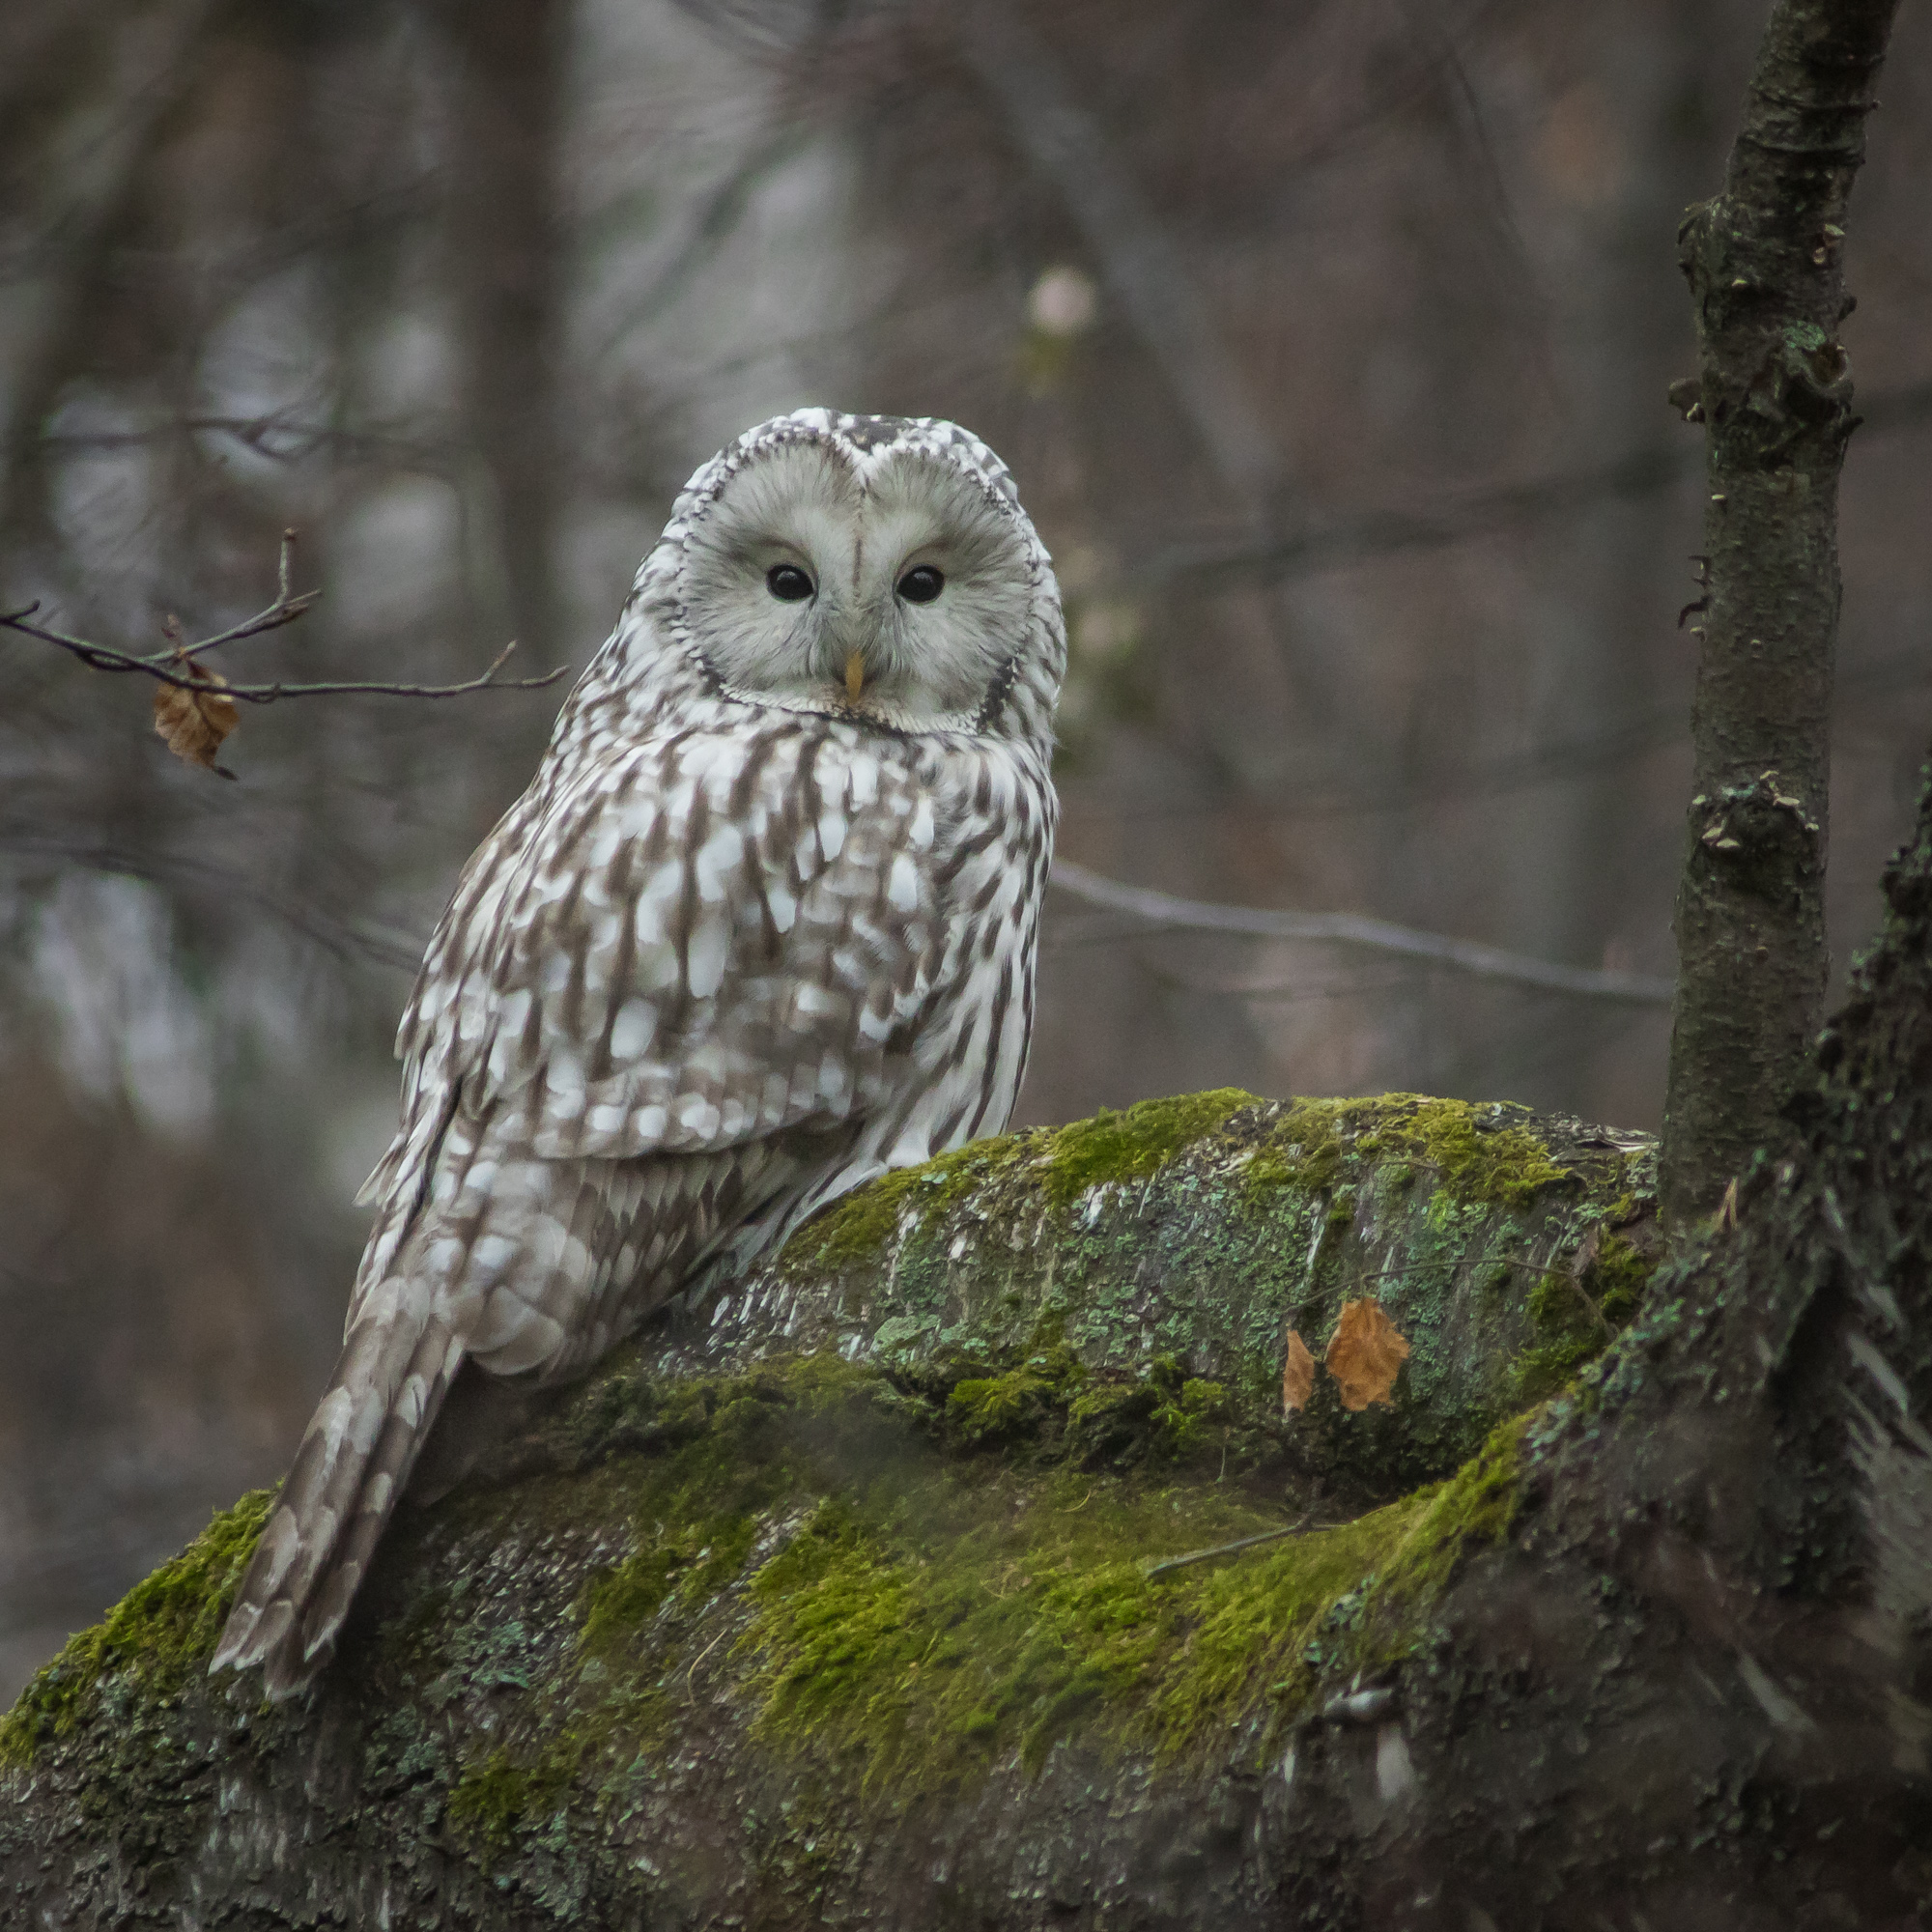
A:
{"points": [[763, 926]]}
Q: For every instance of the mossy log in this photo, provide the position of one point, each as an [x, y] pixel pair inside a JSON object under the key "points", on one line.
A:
{"points": [[844, 1595]]}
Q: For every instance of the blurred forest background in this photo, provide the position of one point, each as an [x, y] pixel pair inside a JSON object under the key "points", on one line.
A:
{"points": [[1328, 343]]}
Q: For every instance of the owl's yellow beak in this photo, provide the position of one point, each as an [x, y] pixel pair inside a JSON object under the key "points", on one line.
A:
{"points": [[855, 675]]}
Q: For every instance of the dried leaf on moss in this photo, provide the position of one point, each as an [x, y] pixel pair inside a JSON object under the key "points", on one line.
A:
{"points": [[1366, 1354], [1297, 1375]]}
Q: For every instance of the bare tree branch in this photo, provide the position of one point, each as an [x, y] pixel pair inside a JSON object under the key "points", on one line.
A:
{"points": [[1496, 506], [1345, 928], [350, 939], [175, 664]]}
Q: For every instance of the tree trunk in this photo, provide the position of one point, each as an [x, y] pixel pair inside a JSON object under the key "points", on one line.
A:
{"points": [[882, 1632], [1765, 261]]}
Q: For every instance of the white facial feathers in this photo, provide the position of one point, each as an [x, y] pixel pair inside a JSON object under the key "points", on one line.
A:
{"points": [[856, 524]]}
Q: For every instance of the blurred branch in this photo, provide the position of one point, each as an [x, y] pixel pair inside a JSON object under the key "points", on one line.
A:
{"points": [[276, 436], [342, 939], [1554, 760], [1641, 472], [1464, 956], [146, 83], [710, 223], [1290, 991], [1384, 533], [1136, 255]]}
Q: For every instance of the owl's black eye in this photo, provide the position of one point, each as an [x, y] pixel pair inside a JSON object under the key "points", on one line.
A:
{"points": [[921, 585], [788, 583]]}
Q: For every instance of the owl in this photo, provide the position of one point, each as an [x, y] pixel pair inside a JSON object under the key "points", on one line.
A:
{"points": [[762, 927]]}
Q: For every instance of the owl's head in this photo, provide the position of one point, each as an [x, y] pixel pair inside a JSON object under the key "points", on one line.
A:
{"points": [[874, 568]]}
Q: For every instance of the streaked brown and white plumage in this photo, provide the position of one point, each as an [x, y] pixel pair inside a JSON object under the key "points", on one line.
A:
{"points": [[762, 926]]}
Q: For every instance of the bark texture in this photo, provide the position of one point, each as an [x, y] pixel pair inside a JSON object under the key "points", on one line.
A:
{"points": [[871, 1635], [1765, 262]]}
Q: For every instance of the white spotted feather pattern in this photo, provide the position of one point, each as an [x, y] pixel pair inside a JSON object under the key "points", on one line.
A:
{"points": [[763, 926]]}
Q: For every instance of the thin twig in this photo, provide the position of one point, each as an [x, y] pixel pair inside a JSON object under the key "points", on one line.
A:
{"points": [[1229, 1549], [1575, 1285], [703, 1654], [174, 664], [159, 667]]}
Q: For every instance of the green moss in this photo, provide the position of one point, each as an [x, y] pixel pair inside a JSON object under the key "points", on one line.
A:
{"points": [[928, 1615], [861, 1225], [816, 1551], [1538, 1371], [1317, 1146], [1307, 1149], [158, 1632], [924, 1646], [1156, 1416], [1255, 1618], [1619, 1277], [691, 1562], [1111, 1147], [1391, 1610], [1133, 1145], [921, 1654], [1567, 1336], [1470, 1159], [1503, 1165], [1554, 1307], [997, 1408], [926, 1611], [492, 1800]]}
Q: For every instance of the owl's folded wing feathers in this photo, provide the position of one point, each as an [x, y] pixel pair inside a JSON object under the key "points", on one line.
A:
{"points": [[683, 961]]}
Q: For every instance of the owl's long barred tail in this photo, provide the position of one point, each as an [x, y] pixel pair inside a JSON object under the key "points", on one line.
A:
{"points": [[396, 1366]]}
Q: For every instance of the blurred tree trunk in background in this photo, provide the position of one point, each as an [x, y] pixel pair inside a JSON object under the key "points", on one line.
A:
{"points": [[1620, 142], [509, 271]]}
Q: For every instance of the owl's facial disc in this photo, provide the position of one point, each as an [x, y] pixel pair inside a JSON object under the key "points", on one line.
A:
{"points": [[899, 593]]}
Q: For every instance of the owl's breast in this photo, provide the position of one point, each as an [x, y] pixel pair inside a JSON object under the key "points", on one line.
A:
{"points": [[995, 811]]}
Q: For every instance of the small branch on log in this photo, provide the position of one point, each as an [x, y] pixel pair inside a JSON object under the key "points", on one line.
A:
{"points": [[1569, 1277], [1765, 261], [1230, 1548]]}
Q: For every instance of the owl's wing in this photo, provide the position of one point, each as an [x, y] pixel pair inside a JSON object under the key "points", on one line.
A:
{"points": [[684, 952]]}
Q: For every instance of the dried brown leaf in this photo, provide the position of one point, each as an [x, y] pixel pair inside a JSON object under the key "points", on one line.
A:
{"points": [[1297, 1375], [1366, 1354], [194, 723]]}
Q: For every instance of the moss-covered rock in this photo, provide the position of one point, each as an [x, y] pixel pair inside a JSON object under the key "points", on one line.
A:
{"points": [[972, 1529]]}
